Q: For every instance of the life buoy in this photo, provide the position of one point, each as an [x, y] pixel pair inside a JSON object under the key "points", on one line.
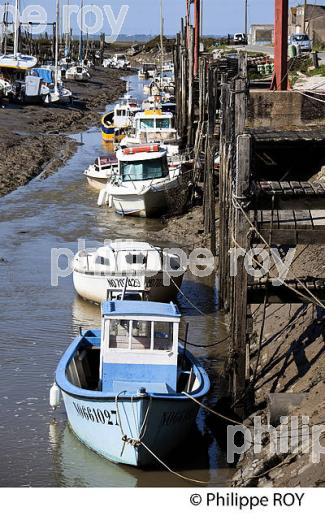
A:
{"points": [[141, 149]]}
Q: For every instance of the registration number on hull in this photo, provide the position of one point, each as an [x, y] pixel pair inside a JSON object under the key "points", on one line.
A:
{"points": [[96, 415], [119, 283]]}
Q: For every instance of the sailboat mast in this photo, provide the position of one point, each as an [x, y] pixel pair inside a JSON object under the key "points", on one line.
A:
{"points": [[16, 32], [81, 32], [57, 34], [161, 39], [67, 36]]}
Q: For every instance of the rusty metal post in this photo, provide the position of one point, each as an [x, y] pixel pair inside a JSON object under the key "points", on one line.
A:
{"points": [[280, 80], [197, 28]]}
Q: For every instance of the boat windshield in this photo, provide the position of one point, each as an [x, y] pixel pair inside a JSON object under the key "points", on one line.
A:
{"points": [[154, 123], [141, 335], [144, 170]]}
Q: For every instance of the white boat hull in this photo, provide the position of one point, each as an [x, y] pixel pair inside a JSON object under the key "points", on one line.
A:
{"points": [[98, 183], [150, 202], [140, 205], [101, 425], [95, 287]]}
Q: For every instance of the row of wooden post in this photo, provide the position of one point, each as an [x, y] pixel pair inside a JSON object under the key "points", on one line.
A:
{"points": [[198, 100], [235, 172]]}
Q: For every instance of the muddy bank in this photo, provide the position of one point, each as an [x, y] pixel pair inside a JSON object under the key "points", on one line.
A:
{"points": [[291, 360], [89, 98], [30, 143], [22, 159], [186, 230]]}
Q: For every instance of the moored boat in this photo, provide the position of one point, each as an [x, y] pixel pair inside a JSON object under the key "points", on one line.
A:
{"points": [[146, 186], [154, 126], [77, 73], [129, 389], [101, 171], [152, 89], [148, 70], [137, 268], [116, 123], [17, 61]]}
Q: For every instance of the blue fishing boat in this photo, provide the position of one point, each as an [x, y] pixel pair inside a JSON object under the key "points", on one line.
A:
{"points": [[130, 390]]}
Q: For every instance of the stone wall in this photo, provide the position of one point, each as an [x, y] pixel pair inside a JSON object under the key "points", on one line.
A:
{"points": [[284, 111]]}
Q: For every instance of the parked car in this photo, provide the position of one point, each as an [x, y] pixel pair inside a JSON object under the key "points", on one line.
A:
{"points": [[301, 41]]}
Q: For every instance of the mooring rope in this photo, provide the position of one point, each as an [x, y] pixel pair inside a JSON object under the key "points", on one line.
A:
{"points": [[194, 306], [136, 443], [204, 346], [212, 411]]}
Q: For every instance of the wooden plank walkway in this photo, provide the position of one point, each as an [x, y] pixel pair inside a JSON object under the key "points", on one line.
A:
{"points": [[289, 227], [283, 294], [289, 195]]}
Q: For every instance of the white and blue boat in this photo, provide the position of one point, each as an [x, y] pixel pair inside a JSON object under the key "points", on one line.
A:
{"points": [[131, 390]]}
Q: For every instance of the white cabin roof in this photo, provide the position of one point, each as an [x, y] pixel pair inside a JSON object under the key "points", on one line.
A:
{"points": [[127, 246], [153, 115]]}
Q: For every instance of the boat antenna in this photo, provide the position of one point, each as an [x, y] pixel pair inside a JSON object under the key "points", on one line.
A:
{"points": [[161, 41], [16, 24]]}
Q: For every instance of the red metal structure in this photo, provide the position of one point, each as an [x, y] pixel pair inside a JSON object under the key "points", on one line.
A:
{"points": [[280, 80], [197, 31]]}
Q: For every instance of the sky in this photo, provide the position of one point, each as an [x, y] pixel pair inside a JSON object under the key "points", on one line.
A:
{"points": [[220, 16]]}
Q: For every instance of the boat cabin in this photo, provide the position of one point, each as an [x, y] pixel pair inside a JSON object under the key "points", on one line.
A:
{"points": [[153, 120], [130, 258], [122, 115], [105, 162], [155, 125], [142, 163], [139, 347]]}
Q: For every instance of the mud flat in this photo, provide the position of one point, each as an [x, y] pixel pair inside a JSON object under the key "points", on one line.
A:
{"points": [[33, 138], [291, 360], [186, 230]]}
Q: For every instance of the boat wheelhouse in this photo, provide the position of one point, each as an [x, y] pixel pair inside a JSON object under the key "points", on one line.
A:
{"points": [[146, 186], [122, 385], [130, 268], [154, 126]]}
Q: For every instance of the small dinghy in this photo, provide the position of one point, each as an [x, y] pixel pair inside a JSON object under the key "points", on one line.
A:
{"points": [[136, 267], [129, 389], [101, 171]]}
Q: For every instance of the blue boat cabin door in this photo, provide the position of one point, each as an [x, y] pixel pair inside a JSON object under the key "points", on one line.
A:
{"points": [[139, 353]]}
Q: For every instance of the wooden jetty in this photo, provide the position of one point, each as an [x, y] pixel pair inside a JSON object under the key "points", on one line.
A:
{"points": [[270, 146], [256, 211]]}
